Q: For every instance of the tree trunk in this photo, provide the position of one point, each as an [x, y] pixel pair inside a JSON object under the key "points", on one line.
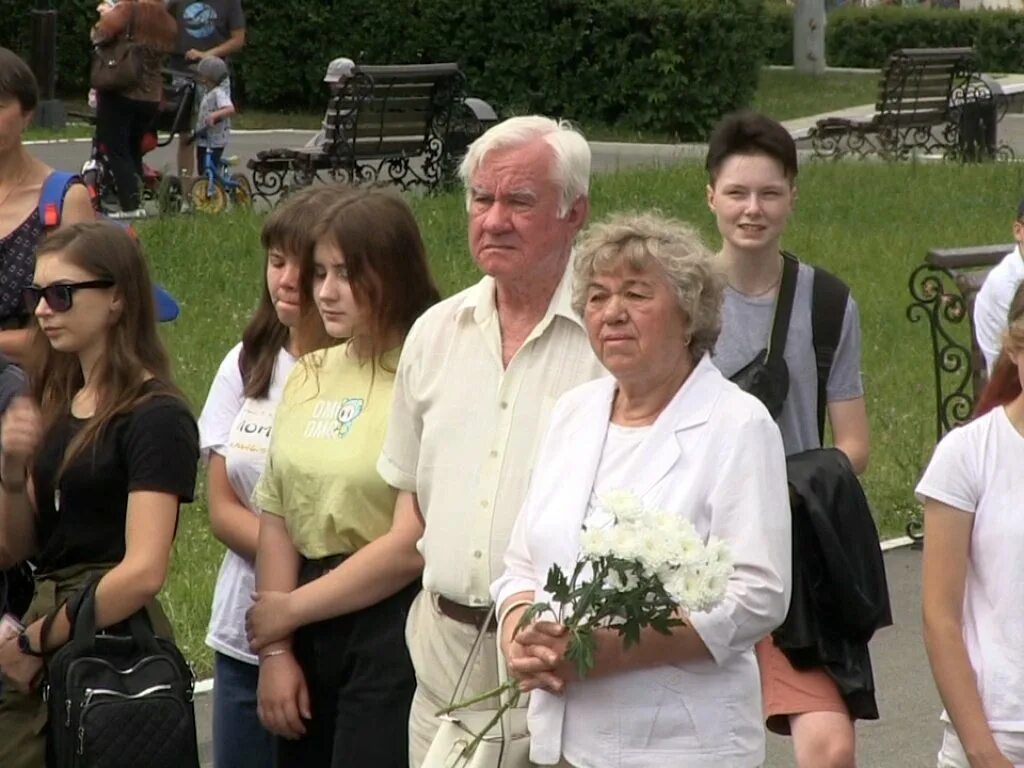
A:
{"points": [[809, 36]]}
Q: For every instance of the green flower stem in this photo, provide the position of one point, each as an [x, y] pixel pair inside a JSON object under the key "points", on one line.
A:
{"points": [[511, 686]]}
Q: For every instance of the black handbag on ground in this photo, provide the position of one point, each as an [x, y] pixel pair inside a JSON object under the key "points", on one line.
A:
{"points": [[118, 65], [119, 700], [766, 377]]}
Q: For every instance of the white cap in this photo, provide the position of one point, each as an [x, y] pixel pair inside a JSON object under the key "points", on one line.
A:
{"points": [[338, 70]]}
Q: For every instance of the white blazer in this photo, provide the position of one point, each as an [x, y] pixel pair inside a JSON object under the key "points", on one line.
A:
{"points": [[715, 456]]}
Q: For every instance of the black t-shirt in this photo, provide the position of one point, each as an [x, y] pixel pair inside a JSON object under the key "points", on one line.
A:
{"points": [[154, 447]]}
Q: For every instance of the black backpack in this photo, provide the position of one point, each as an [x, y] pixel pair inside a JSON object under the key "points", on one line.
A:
{"points": [[119, 700]]}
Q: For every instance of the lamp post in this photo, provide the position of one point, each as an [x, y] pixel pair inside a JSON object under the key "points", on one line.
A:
{"points": [[50, 110]]}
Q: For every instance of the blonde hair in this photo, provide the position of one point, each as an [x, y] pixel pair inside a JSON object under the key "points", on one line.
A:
{"points": [[640, 239]]}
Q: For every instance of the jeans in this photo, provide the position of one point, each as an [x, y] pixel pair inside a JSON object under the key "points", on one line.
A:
{"points": [[239, 740], [215, 152], [121, 124], [360, 683]]}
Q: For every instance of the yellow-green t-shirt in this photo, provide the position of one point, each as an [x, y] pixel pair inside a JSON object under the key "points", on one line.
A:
{"points": [[321, 473]]}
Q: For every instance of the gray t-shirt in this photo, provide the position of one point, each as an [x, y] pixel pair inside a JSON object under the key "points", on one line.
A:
{"points": [[216, 135], [746, 326], [204, 24]]}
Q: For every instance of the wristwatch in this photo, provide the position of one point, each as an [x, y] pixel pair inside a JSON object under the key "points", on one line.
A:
{"points": [[25, 646]]}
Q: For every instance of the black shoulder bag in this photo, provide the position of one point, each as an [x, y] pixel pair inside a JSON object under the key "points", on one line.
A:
{"points": [[119, 701], [766, 377]]}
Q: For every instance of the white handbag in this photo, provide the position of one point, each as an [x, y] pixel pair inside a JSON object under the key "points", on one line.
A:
{"points": [[505, 741]]}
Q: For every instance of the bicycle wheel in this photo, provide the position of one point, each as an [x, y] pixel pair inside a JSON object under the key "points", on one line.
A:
{"points": [[242, 193], [208, 198]]}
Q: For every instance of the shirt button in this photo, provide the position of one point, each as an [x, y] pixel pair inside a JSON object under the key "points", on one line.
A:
{"points": [[494, 454], [484, 504], [478, 554], [504, 405]]}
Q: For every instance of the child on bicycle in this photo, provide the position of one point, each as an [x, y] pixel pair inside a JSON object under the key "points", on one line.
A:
{"points": [[213, 125]]}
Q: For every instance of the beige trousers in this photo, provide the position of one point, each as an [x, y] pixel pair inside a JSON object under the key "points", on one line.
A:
{"points": [[439, 647]]}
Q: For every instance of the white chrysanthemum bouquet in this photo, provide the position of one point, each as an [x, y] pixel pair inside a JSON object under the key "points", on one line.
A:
{"points": [[638, 568]]}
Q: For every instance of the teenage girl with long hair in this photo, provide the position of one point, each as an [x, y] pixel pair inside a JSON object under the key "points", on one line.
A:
{"points": [[334, 572], [972, 594], [234, 430], [95, 462]]}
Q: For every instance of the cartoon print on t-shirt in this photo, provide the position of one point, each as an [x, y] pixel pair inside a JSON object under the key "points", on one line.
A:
{"points": [[200, 20], [334, 418]]}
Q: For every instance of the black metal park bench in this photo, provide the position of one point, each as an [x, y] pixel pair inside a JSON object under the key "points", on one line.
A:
{"points": [[403, 124], [943, 290], [930, 101]]}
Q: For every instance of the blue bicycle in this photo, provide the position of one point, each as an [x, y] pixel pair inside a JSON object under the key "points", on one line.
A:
{"points": [[212, 190]]}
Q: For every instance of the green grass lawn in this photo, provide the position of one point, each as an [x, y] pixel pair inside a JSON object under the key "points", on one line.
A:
{"points": [[870, 223], [784, 94]]}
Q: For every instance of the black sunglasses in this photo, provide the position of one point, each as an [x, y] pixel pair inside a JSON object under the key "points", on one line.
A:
{"points": [[58, 295]]}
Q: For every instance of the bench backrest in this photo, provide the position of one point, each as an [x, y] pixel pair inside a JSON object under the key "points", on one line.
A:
{"points": [[945, 288], [393, 109], [918, 84]]}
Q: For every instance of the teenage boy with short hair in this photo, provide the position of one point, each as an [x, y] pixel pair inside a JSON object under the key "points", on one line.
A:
{"points": [[752, 167]]}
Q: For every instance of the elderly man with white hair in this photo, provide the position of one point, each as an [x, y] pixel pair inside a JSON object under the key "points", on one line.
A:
{"points": [[478, 375]]}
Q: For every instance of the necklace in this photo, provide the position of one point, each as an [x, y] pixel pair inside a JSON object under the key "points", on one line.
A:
{"points": [[762, 292]]}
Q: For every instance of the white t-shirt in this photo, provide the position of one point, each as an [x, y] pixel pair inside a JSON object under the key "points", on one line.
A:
{"points": [[238, 428], [620, 445], [993, 303], [976, 468]]}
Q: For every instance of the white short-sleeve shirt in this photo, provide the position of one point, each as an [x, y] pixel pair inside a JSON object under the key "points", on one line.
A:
{"points": [[976, 468], [238, 428], [993, 303]]}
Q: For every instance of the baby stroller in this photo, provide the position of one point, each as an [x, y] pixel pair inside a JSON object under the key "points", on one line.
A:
{"points": [[174, 117]]}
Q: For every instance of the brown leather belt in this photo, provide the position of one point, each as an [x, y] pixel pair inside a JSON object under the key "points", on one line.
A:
{"points": [[467, 614]]}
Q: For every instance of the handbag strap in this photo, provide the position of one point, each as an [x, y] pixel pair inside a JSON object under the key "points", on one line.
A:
{"points": [[129, 30], [783, 307], [474, 654], [83, 633]]}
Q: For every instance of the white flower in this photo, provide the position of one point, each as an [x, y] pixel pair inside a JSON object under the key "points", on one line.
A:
{"points": [[595, 542], [625, 505]]}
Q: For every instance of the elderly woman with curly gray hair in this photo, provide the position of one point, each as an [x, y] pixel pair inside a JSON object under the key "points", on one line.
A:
{"points": [[669, 428]]}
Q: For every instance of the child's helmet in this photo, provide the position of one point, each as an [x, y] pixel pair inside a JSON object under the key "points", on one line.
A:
{"points": [[213, 69]]}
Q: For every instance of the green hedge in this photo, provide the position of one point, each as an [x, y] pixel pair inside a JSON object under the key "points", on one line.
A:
{"points": [[672, 66], [863, 37], [667, 65], [74, 20]]}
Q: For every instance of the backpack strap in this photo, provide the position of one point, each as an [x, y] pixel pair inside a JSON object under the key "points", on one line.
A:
{"points": [[51, 201], [829, 296]]}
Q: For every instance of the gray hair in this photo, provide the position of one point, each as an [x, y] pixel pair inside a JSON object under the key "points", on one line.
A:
{"points": [[640, 239], [571, 167]]}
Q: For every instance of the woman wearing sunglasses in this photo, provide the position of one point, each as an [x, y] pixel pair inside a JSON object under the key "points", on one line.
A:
{"points": [[93, 465]]}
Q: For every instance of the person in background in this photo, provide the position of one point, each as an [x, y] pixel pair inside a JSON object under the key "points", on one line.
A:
{"points": [[124, 116], [94, 464], [205, 28], [21, 185], [971, 593], [475, 386], [213, 123], [234, 432], [993, 299], [752, 169], [337, 568]]}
